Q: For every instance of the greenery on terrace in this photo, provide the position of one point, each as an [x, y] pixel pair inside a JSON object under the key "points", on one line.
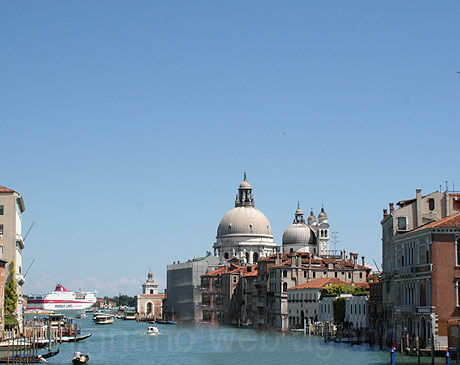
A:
{"points": [[337, 289]]}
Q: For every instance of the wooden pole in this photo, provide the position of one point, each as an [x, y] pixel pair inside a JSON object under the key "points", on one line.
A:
{"points": [[417, 344], [432, 349]]}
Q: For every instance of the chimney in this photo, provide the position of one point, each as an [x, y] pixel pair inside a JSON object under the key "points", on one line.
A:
{"points": [[362, 257], [418, 193], [309, 259], [344, 254], [385, 213], [392, 208], [355, 259], [351, 256]]}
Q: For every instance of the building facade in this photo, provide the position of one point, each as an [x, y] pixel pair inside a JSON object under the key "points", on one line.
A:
{"points": [[420, 279], [11, 208], [184, 288], [150, 303]]}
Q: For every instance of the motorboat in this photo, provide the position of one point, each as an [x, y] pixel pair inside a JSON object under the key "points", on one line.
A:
{"points": [[103, 319], [152, 330], [79, 358]]}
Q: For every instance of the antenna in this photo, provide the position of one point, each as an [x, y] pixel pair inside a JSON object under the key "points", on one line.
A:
{"points": [[335, 240], [377, 266], [29, 266], [28, 231]]}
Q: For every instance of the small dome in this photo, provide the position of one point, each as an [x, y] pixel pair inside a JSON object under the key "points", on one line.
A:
{"points": [[311, 218], [322, 216], [244, 221], [245, 185], [298, 211], [298, 234]]}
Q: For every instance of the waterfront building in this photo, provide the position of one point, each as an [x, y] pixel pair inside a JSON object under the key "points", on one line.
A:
{"points": [[2, 292], [150, 303], [303, 301], [356, 311], [290, 270], [184, 288], [11, 208], [420, 290], [244, 232], [375, 316], [311, 236]]}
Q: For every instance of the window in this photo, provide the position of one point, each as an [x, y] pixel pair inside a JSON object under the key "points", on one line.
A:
{"points": [[234, 279], [335, 273], [431, 204], [226, 255], [1, 228], [314, 274], [151, 291], [457, 289], [284, 287], [1, 209], [402, 223], [360, 275], [284, 273], [457, 249]]}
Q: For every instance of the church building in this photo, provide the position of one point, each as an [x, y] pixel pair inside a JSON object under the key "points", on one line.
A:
{"points": [[244, 232], [150, 303]]}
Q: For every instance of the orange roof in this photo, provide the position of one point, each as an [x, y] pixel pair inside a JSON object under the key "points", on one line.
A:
{"points": [[318, 283], [450, 221], [252, 273], [5, 190], [364, 285], [217, 272]]}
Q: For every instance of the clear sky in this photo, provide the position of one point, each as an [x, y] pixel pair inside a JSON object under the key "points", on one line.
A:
{"points": [[127, 125]]}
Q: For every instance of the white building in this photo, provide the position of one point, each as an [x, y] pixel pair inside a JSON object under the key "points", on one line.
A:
{"points": [[326, 307], [304, 301], [312, 236], [150, 303], [244, 232], [356, 311]]}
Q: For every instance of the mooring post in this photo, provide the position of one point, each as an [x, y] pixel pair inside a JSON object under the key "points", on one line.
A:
{"points": [[447, 356]]}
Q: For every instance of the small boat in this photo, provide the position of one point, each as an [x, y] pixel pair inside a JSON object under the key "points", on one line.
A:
{"points": [[81, 315], [79, 358], [103, 319], [152, 330], [75, 339]]}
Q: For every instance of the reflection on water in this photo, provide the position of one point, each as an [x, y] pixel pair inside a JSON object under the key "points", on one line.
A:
{"points": [[127, 342]]}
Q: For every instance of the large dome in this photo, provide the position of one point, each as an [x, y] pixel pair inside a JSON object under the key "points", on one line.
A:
{"points": [[298, 234], [244, 221]]}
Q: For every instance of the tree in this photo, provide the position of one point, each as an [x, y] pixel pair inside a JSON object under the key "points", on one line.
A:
{"points": [[337, 289], [11, 294], [339, 310]]}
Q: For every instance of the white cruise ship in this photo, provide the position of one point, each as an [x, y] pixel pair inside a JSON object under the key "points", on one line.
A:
{"points": [[61, 299]]}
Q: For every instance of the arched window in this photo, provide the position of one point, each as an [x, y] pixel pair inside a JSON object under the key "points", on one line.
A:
{"points": [[226, 255], [284, 273], [284, 287], [255, 257], [431, 204], [149, 308], [247, 257]]}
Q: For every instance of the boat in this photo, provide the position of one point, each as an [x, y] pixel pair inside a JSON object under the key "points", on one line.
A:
{"points": [[61, 299], [103, 319], [152, 330], [79, 358], [81, 315], [129, 315], [23, 359], [75, 339]]}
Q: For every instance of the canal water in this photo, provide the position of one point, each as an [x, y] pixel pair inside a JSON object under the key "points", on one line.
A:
{"points": [[126, 342]]}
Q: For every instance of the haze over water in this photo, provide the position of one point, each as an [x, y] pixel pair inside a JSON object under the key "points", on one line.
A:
{"points": [[126, 342]]}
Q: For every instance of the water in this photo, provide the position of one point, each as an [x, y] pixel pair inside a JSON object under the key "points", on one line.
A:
{"points": [[126, 342]]}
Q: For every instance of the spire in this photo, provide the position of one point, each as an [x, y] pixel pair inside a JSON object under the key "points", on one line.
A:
{"points": [[244, 176]]}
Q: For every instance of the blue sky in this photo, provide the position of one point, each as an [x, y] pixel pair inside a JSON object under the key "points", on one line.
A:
{"points": [[127, 126]]}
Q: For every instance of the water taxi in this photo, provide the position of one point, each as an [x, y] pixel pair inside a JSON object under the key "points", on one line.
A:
{"points": [[103, 319]]}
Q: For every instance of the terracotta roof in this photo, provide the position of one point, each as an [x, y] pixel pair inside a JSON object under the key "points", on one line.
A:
{"points": [[318, 283], [217, 272], [4, 189], [450, 221], [364, 285], [252, 273]]}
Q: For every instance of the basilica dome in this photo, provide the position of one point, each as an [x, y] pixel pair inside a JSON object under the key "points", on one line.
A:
{"points": [[244, 221], [298, 236]]}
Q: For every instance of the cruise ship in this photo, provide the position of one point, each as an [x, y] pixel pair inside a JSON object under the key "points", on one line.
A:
{"points": [[61, 299]]}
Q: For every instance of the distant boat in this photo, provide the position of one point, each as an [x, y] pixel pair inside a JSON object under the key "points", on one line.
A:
{"points": [[61, 299], [103, 319], [79, 358], [152, 330], [129, 315]]}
